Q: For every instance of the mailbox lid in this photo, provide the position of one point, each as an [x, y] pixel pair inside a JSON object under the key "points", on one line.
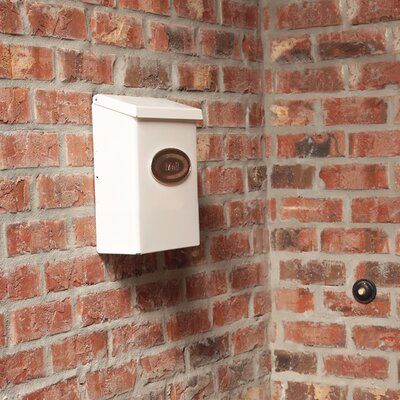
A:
{"points": [[148, 107]]}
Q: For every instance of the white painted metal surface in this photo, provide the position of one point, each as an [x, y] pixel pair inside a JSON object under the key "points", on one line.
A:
{"points": [[135, 213]]}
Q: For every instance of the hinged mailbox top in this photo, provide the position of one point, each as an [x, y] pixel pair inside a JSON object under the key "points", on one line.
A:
{"points": [[148, 107]]}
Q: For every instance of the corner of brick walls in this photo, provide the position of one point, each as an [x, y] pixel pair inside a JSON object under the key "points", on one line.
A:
{"points": [[189, 323], [332, 116]]}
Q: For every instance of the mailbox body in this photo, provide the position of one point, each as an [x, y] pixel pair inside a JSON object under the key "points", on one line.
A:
{"points": [[135, 213]]}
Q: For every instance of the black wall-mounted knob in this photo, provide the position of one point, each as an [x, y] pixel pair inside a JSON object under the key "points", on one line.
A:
{"points": [[364, 291]]}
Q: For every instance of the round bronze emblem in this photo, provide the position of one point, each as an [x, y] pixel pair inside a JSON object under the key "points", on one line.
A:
{"points": [[170, 166]]}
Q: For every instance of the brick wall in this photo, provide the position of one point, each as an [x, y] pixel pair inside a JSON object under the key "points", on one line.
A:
{"points": [[333, 115], [178, 325]]}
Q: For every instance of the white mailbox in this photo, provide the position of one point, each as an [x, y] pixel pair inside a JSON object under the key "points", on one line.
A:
{"points": [[145, 174]]}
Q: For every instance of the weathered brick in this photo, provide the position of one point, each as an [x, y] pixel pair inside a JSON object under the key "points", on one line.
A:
{"points": [[374, 144], [32, 323], [294, 300], [308, 14], [212, 216], [241, 80], [118, 30], [84, 231], [257, 177], [313, 391], [354, 240], [153, 6], [247, 276], [196, 387], [252, 47], [294, 49], [62, 390], [206, 285], [155, 295], [325, 79], [296, 240], [209, 147], [233, 309], [384, 274], [24, 282], [376, 337], [209, 350], [150, 73], [249, 338], [201, 77], [375, 394], [55, 107], [302, 363], [14, 195], [231, 246], [219, 44], [292, 176], [10, 17], [226, 114], [14, 105], [79, 150], [175, 38], [354, 43], [220, 180], [256, 115], [200, 10], [85, 66], [59, 21], [240, 15], [365, 11], [376, 209], [188, 323], [292, 113], [236, 373]]}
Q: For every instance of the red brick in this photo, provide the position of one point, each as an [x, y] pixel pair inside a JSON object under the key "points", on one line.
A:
{"points": [[243, 147], [32, 323], [188, 323], [374, 144], [257, 177], [292, 113], [209, 147], [354, 176], [62, 191], [327, 273], [227, 247], [365, 11], [384, 274], [3, 285], [196, 387], [152, 6], [249, 338], [309, 14], [54, 107], [256, 115], [120, 266], [200, 77], [10, 17], [105, 3], [79, 150], [247, 276], [262, 303], [376, 337], [136, 336], [341, 303], [302, 363], [315, 334], [75, 272], [311, 391], [63, 390], [212, 216], [311, 210], [175, 38], [354, 240], [85, 66], [28, 149], [22, 367], [375, 394], [376, 209], [182, 258], [109, 382], [268, 81], [219, 44], [209, 350], [295, 240], [231, 310], [240, 15], [14, 105], [356, 366], [294, 49], [157, 394], [3, 339], [84, 229], [238, 372], [396, 173], [155, 295], [266, 18], [79, 350], [260, 240], [354, 43], [205, 285], [226, 114], [104, 306], [14, 195], [220, 180], [252, 47], [354, 110], [147, 73], [241, 80], [117, 30], [36, 237], [162, 365], [200, 10], [25, 62], [295, 300], [325, 79], [24, 282], [58, 21], [292, 176]]}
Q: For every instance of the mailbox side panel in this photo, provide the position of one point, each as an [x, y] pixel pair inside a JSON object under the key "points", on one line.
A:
{"points": [[169, 215], [116, 181]]}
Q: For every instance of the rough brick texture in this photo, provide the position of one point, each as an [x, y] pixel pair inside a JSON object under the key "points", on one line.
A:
{"points": [[78, 325], [332, 117]]}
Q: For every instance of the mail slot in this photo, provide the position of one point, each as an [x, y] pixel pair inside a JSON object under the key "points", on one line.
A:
{"points": [[145, 174]]}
